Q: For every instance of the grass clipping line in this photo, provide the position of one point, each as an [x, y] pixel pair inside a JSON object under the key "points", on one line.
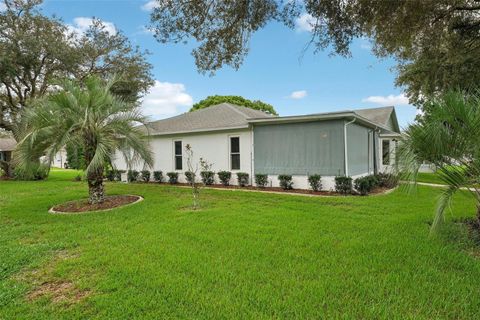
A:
{"points": [[83, 206]]}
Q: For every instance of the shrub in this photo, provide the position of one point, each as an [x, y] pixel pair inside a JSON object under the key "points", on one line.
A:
{"points": [[315, 181], [190, 176], [172, 177], [208, 177], [118, 175], [242, 178], [145, 175], [110, 175], [224, 177], [132, 175], [261, 180], [158, 176], [386, 180], [372, 180], [365, 184], [39, 172], [286, 182], [343, 185]]}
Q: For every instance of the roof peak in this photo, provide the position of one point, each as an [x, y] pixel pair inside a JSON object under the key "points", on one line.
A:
{"points": [[376, 108], [222, 116]]}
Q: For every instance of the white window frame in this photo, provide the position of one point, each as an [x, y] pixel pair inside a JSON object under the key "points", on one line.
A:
{"points": [[174, 141], [230, 153], [389, 152]]}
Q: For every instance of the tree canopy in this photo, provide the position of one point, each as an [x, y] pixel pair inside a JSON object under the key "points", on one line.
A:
{"points": [[213, 100], [36, 50], [436, 42]]}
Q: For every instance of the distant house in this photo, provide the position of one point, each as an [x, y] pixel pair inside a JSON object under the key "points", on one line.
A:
{"points": [[60, 159], [238, 139], [7, 145]]}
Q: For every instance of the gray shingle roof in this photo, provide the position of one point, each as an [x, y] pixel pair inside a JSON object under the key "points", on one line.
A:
{"points": [[381, 116], [7, 144], [226, 116], [218, 117]]}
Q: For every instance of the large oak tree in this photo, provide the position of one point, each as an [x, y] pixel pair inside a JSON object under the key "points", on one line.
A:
{"points": [[436, 42], [36, 50]]}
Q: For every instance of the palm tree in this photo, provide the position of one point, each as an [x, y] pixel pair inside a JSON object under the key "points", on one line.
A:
{"points": [[89, 115], [448, 136]]}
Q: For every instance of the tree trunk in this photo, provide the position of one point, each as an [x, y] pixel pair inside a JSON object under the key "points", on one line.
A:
{"points": [[96, 189]]}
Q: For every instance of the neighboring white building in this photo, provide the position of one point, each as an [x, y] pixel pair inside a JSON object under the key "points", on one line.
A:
{"points": [[239, 139], [60, 159]]}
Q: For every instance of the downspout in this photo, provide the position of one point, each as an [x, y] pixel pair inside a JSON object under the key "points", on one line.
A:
{"points": [[252, 155], [370, 150], [345, 144], [375, 151]]}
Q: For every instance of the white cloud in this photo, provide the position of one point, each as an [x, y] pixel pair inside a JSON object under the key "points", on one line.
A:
{"points": [[298, 94], [3, 6], [390, 100], [150, 5], [366, 46], [144, 30], [305, 22], [164, 99], [81, 25]]}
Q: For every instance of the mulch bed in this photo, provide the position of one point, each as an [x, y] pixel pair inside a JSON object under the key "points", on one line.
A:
{"points": [[378, 190], [83, 205], [299, 191]]}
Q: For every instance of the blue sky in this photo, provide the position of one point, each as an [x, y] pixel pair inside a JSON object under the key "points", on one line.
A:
{"points": [[272, 72]]}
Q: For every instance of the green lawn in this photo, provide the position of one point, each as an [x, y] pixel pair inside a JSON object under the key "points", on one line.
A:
{"points": [[244, 255], [429, 178]]}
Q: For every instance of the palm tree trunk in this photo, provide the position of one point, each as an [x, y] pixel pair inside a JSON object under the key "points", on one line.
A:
{"points": [[96, 189]]}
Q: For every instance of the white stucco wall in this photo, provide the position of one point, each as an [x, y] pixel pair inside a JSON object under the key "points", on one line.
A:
{"points": [[213, 147]]}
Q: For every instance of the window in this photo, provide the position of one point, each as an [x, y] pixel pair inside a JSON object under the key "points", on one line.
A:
{"points": [[178, 155], [235, 153], [386, 152]]}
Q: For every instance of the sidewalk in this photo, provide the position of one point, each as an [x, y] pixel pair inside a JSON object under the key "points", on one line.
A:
{"points": [[436, 185]]}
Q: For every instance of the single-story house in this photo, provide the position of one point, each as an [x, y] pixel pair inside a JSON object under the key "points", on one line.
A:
{"points": [[60, 159], [238, 139], [7, 145]]}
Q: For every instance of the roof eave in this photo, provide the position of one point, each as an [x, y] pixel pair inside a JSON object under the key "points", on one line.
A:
{"points": [[324, 117], [198, 131]]}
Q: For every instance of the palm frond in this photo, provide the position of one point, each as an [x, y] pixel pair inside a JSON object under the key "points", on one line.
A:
{"points": [[87, 114], [448, 136]]}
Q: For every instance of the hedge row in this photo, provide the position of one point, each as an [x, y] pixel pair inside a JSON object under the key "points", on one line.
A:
{"points": [[344, 185]]}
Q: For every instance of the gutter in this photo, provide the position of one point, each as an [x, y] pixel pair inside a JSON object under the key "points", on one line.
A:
{"points": [[319, 117], [345, 144], [173, 133], [252, 154]]}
